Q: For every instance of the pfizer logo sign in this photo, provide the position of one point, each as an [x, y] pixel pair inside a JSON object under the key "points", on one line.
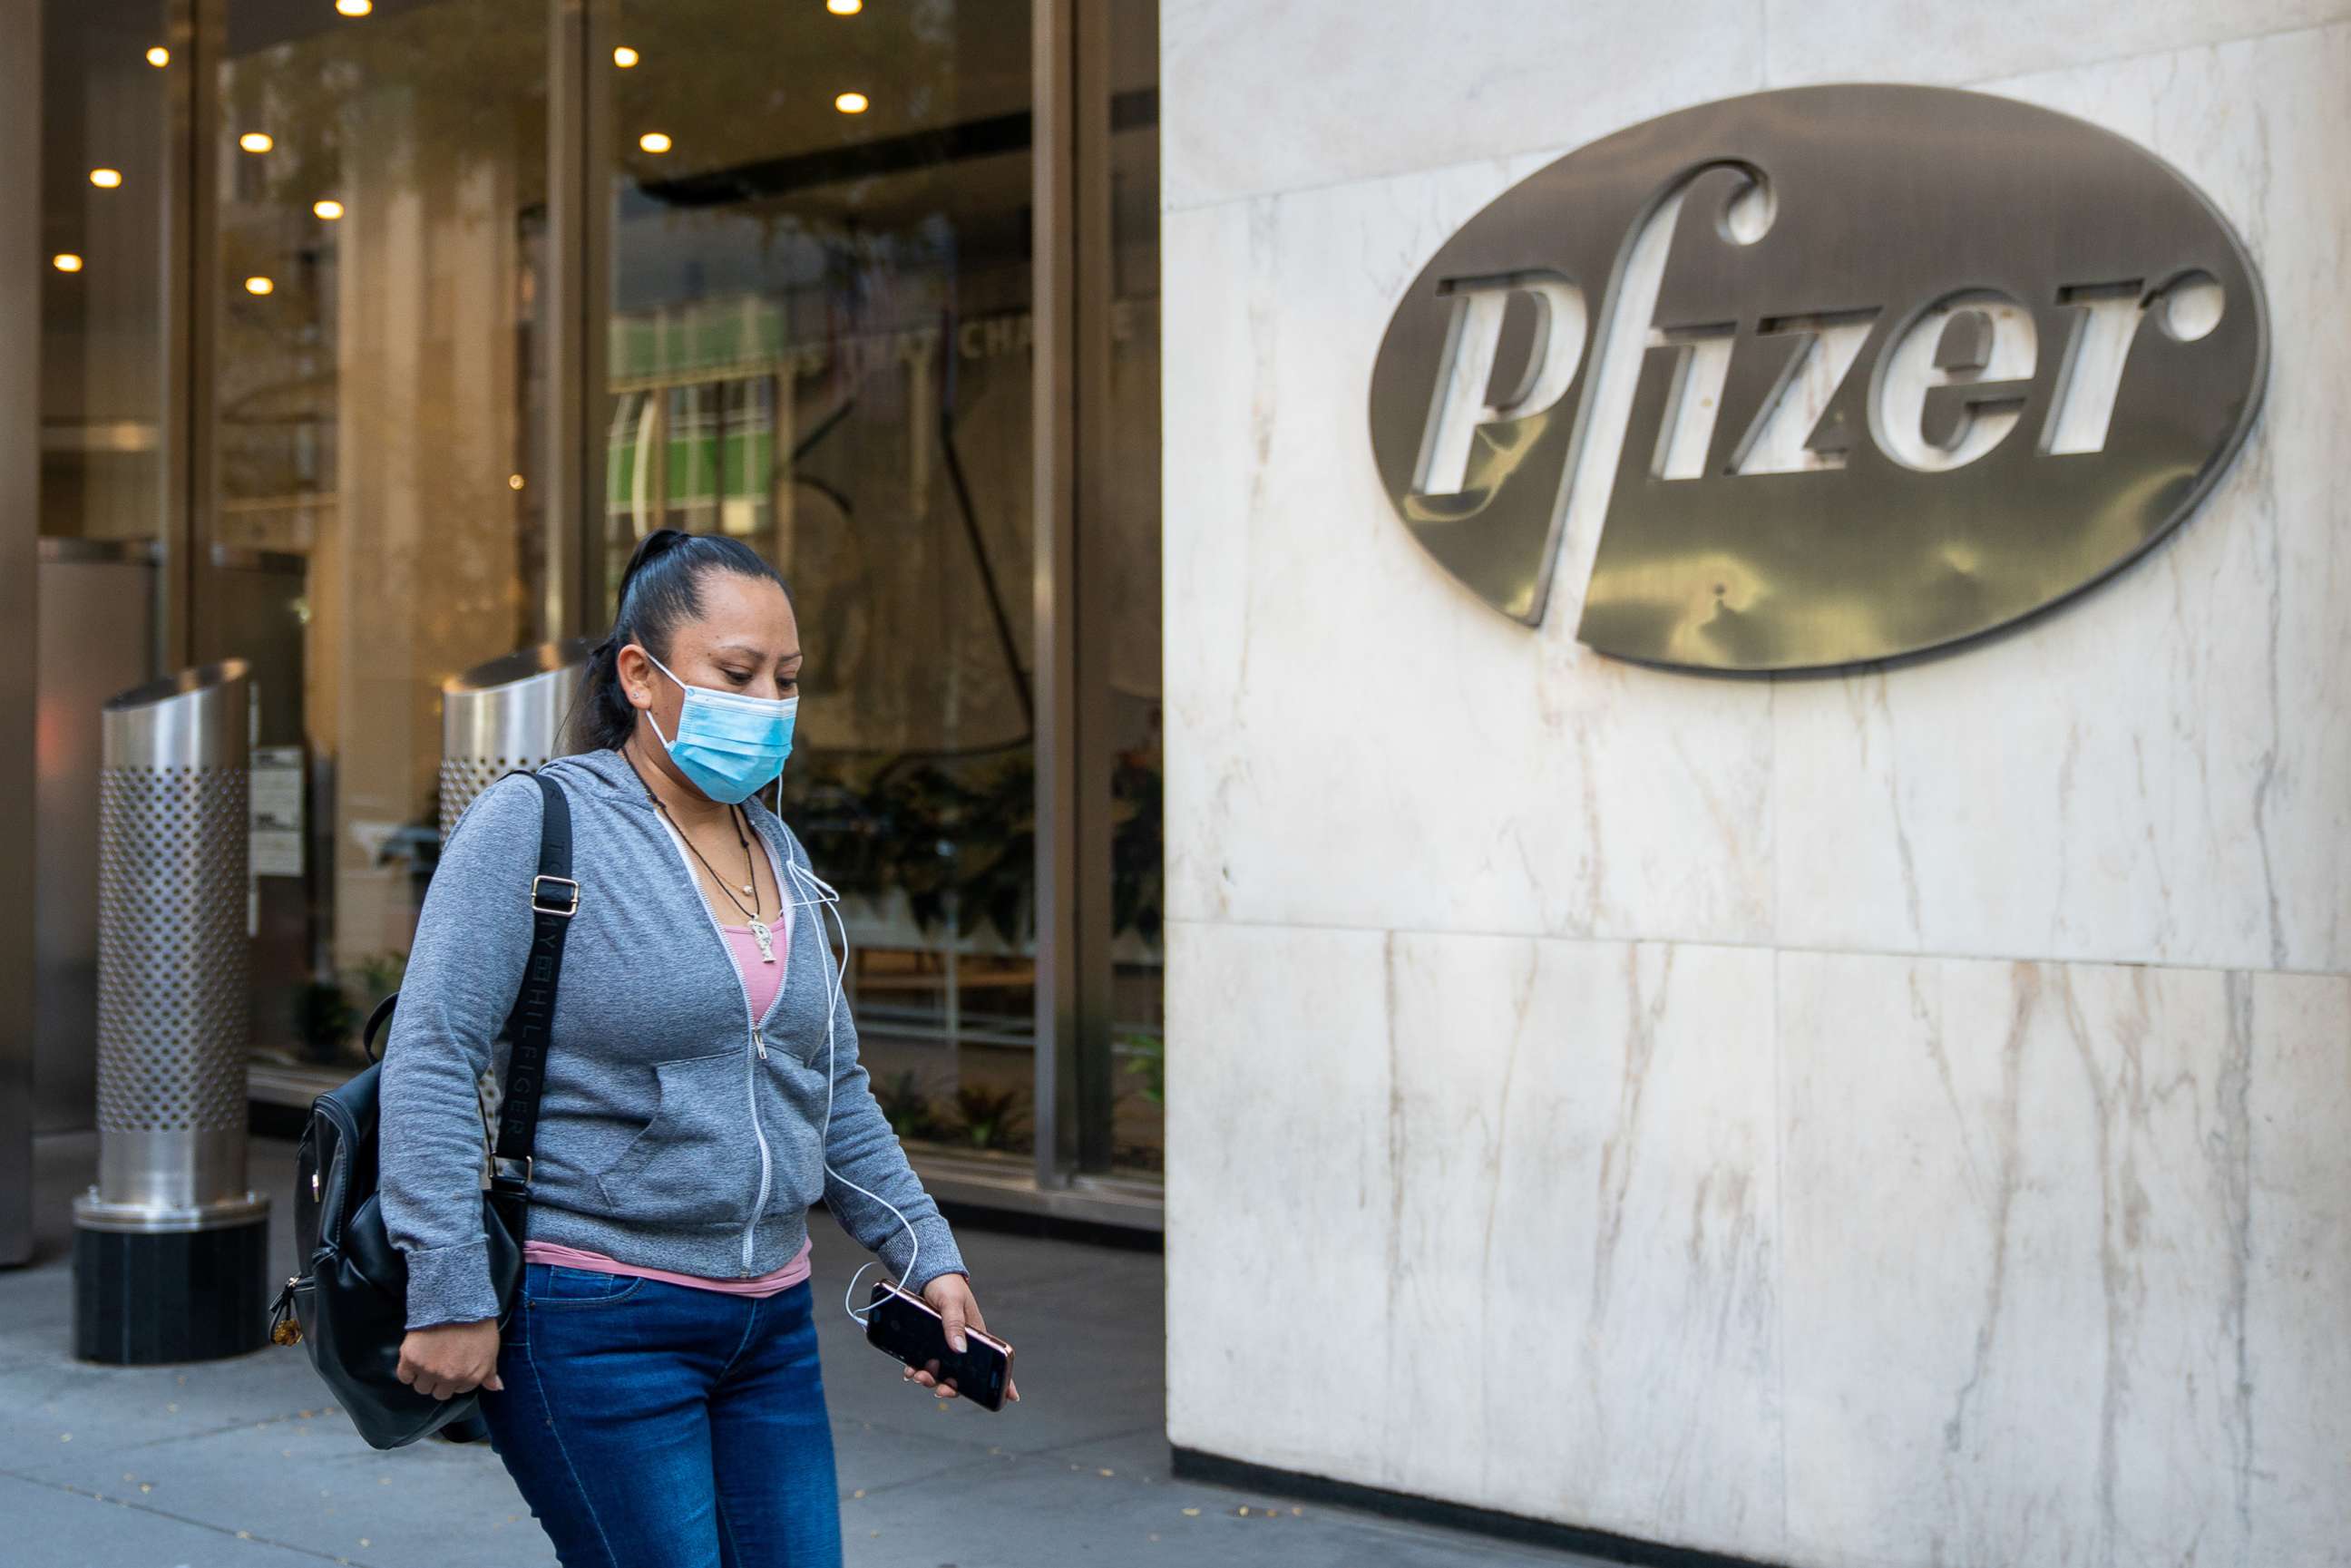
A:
{"points": [[1838, 374]]}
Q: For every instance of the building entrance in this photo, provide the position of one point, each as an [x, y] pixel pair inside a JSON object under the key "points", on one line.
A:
{"points": [[392, 328]]}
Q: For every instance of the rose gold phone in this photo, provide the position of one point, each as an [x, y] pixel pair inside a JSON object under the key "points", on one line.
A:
{"points": [[904, 1326]]}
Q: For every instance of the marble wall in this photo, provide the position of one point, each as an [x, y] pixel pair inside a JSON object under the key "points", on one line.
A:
{"points": [[1900, 1118]]}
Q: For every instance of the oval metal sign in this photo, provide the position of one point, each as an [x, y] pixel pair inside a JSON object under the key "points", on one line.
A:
{"points": [[1858, 373]]}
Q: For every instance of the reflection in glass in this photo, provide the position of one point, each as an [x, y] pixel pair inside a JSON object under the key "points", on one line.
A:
{"points": [[102, 148], [102, 357], [1137, 841], [372, 397], [820, 344]]}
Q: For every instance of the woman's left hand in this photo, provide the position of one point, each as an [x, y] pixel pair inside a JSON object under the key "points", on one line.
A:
{"points": [[949, 1295]]}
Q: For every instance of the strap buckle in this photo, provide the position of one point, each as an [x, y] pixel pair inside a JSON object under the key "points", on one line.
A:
{"points": [[565, 910], [504, 1167]]}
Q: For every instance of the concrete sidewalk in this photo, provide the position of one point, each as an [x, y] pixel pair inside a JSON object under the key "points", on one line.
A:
{"points": [[238, 1464]]}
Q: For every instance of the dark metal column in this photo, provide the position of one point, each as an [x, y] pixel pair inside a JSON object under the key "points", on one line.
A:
{"points": [[1054, 358], [579, 299], [1072, 286], [195, 31], [1094, 545], [21, 271]]}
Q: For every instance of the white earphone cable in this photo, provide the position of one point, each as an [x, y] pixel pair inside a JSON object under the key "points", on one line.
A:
{"points": [[821, 897]]}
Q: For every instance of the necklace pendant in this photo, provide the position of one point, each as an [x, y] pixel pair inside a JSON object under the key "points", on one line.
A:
{"points": [[765, 939]]}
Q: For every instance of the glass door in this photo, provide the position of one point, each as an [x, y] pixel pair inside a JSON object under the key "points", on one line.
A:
{"points": [[819, 342], [105, 139], [370, 526], [809, 234]]}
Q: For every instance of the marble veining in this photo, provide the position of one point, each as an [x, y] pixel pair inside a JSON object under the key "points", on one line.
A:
{"points": [[1841, 1260], [2159, 770], [2037, 1341], [2173, 794], [1912, 1105], [1923, 40], [1573, 1227], [1315, 92], [1340, 686]]}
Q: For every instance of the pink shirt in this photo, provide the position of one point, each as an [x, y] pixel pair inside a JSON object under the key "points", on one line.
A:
{"points": [[782, 1278], [762, 980]]}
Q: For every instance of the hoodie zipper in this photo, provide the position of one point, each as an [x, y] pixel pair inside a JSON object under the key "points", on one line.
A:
{"points": [[758, 1043]]}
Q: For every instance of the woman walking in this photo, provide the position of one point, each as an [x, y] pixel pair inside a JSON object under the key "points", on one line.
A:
{"points": [[655, 1394]]}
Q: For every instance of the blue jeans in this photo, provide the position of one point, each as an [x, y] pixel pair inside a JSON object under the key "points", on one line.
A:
{"points": [[656, 1425]]}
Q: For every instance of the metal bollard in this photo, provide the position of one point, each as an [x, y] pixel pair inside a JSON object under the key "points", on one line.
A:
{"points": [[511, 713], [169, 1247]]}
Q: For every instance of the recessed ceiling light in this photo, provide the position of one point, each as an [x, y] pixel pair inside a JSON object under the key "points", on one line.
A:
{"points": [[355, 7], [255, 142], [625, 56], [66, 261], [326, 207], [514, 481], [844, 7], [159, 57], [655, 142], [258, 286], [106, 178], [851, 103]]}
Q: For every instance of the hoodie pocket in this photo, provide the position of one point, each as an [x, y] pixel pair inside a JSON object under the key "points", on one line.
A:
{"points": [[794, 1115], [697, 1161]]}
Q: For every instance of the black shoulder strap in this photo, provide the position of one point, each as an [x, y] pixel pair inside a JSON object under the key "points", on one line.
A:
{"points": [[554, 899]]}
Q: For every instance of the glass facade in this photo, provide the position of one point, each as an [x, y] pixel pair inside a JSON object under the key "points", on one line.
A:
{"points": [[371, 527], [817, 343], [103, 478], [102, 344], [800, 247], [1131, 524]]}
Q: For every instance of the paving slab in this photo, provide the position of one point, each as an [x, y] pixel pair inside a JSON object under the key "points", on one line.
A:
{"points": [[245, 1463], [52, 1527]]}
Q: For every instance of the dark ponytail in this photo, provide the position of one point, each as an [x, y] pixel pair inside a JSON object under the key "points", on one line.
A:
{"points": [[660, 592]]}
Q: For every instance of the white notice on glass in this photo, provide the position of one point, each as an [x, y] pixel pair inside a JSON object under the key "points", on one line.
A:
{"points": [[276, 811]]}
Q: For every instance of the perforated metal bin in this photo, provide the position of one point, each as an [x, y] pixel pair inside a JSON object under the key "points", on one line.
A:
{"points": [[169, 1246], [514, 712]]}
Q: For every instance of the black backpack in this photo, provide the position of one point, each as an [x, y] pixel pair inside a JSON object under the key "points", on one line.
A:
{"points": [[347, 1306]]}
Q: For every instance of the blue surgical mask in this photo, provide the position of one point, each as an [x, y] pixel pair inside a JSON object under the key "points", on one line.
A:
{"points": [[730, 745]]}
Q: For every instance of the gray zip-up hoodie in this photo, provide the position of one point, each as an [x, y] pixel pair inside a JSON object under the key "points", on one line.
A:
{"points": [[675, 1130]]}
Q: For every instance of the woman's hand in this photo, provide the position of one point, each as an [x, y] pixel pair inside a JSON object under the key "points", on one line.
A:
{"points": [[450, 1359], [949, 1295]]}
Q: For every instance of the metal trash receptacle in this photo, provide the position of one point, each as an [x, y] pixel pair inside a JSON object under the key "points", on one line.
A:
{"points": [[514, 712], [169, 1247]]}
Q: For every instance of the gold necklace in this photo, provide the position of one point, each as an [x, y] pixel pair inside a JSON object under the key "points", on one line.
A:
{"points": [[761, 932]]}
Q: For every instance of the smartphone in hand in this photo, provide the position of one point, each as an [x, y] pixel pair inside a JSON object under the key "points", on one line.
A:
{"points": [[904, 1326]]}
